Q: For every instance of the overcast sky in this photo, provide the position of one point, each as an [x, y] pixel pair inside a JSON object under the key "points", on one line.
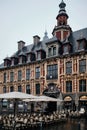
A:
{"points": [[22, 19]]}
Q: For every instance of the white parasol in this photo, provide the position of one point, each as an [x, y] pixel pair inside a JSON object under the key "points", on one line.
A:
{"points": [[16, 95], [42, 98]]}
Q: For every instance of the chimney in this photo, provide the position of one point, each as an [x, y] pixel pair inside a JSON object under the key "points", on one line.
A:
{"points": [[36, 39], [21, 45]]}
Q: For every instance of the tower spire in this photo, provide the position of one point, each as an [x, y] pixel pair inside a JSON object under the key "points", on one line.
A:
{"points": [[45, 35], [62, 10]]}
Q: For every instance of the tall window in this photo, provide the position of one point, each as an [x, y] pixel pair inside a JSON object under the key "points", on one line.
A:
{"points": [[54, 50], [4, 89], [52, 71], [28, 57], [38, 55], [5, 77], [19, 75], [68, 86], [37, 73], [80, 45], [37, 88], [19, 88], [11, 89], [11, 76], [20, 60], [82, 66], [82, 85], [27, 74], [51, 51], [65, 49], [28, 89], [68, 67]]}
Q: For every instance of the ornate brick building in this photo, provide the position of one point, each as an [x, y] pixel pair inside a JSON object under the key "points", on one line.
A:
{"points": [[51, 65]]}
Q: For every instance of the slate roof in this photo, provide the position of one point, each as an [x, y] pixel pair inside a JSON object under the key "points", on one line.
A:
{"points": [[42, 45], [82, 33]]}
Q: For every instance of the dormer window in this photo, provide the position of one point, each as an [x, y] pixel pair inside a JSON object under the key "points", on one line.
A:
{"points": [[52, 51], [65, 49], [38, 55], [49, 51], [28, 58], [7, 62], [31, 57], [22, 58], [14, 61], [81, 44], [41, 54]]}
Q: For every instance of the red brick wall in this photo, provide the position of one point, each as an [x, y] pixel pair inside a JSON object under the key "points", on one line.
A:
{"points": [[58, 35], [65, 33]]}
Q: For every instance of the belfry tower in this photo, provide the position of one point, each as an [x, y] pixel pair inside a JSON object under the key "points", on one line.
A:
{"points": [[62, 30]]}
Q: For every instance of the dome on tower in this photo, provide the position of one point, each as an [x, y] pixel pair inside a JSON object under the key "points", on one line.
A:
{"points": [[62, 11]]}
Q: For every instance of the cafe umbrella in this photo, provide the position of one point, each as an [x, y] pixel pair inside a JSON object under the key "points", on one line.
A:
{"points": [[15, 96], [42, 98]]}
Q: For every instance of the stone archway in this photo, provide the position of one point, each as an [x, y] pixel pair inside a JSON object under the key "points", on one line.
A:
{"points": [[83, 98], [52, 91], [83, 101], [68, 102], [67, 98]]}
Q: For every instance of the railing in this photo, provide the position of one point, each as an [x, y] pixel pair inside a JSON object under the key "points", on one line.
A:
{"points": [[49, 77]]}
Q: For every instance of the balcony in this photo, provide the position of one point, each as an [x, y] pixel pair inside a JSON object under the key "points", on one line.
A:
{"points": [[49, 77]]}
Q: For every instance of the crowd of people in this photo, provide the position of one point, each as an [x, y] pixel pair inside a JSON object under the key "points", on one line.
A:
{"points": [[26, 120]]}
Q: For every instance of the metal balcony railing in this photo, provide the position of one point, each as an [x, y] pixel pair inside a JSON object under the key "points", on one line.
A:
{"points": [[49, 77]]}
